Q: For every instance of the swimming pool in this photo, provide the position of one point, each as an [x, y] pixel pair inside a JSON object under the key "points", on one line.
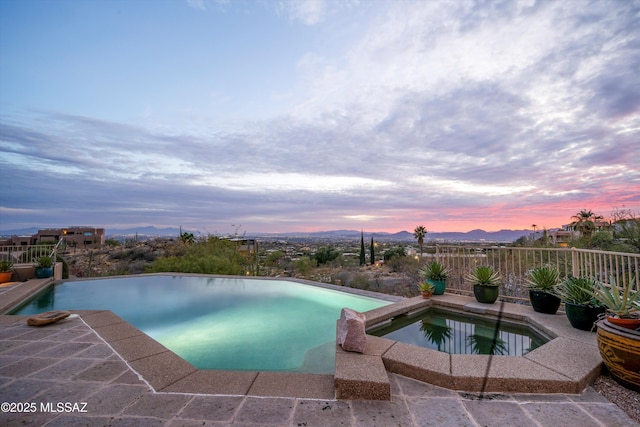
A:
{"points": [[458, 333], [220, 322]]}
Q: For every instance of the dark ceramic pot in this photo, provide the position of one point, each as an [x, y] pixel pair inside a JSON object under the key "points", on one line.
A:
{"points": [[486, 294], [544, 302], [582, 316]]}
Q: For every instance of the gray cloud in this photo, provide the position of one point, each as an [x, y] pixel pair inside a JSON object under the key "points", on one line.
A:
{"points": [[406, 129]]}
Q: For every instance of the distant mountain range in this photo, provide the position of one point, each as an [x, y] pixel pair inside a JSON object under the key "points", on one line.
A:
{"points": [[502, 236]]}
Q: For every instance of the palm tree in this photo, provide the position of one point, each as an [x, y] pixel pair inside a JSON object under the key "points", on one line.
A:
{"points": [[419, 234], [585, 224]]}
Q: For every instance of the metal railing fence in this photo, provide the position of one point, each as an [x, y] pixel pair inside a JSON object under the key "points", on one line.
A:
{"points": [[28, 254], [514, 264]]}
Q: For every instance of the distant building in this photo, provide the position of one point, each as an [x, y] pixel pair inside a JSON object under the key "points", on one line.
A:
{"points": [[598, 226], [82, 237], [568, 232], [247, 247], [563, 236]]}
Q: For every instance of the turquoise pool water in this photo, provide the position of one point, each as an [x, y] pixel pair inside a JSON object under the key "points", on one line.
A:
{"points": [[220, 323], [458, 333]]}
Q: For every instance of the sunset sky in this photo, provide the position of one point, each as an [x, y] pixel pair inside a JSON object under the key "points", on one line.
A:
{"points": [[275, 116]]}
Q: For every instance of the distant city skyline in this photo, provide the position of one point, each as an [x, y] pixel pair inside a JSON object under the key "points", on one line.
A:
{"points": [[313, 115]]}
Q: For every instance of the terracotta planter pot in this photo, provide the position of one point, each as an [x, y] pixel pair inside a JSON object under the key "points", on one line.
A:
{"points": [[620, 351], [629, 323], [5, 276], [544, 302], [426, 295]]}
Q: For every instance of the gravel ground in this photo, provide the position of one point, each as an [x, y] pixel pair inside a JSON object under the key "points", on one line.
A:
{"points": [[627, 400]]}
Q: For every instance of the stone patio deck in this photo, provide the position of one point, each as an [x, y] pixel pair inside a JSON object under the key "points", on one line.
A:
{"points": [[126, 378]]}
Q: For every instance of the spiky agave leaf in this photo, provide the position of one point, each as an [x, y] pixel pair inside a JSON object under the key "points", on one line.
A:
{"points": [[619, 303], [484, 275], [543, 278]]}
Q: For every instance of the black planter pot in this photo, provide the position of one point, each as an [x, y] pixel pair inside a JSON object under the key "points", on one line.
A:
{"points": [[582, 316], [544, 302], [486, 294]]}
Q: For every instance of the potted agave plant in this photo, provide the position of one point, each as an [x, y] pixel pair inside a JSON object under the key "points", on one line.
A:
{"points": [[486, 283], [44, 267], [542, 283], [426, 289], [580, 306], [436, 274], [621, 305]]}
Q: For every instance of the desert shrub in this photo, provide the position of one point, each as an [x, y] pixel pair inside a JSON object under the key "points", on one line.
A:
{"points": [[210, 256], [194, 264], [360, 281], [111, 243], [137, 267], [376, 284], [342, 276], [325, 255], [339, 262], [402, 264], [303, 265], [274, 258], [120, 270], [134, 254], [399, 252]]}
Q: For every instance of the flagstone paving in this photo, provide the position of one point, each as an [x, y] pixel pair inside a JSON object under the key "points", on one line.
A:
{"points": [[64, 374]]}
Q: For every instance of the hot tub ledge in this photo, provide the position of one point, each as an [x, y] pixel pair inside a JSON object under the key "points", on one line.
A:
{"points": [[361, 377]]}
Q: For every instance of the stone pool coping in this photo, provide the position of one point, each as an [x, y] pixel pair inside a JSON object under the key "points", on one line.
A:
{"points": [[567, 364]]}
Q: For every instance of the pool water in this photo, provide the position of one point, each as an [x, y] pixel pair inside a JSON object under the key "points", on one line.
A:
{"points": [[220, 323], [457, 333]]}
